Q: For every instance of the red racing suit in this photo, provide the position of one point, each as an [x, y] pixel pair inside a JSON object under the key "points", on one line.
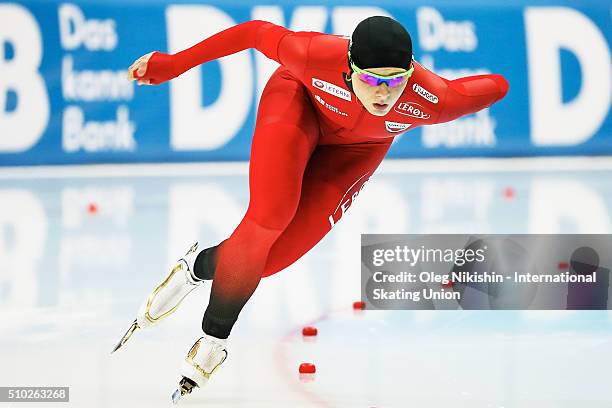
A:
{"points": [[314, 147], [319, 61]]}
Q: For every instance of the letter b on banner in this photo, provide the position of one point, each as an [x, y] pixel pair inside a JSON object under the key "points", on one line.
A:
{"points": [[22, 125]]}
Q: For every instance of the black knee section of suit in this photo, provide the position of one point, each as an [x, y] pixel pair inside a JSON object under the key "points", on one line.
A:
{"points": [[205, 263], [216, 326]]}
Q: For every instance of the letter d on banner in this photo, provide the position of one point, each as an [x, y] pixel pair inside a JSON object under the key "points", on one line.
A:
{"points": [[193, 127], [552, 122], [22, 126]]}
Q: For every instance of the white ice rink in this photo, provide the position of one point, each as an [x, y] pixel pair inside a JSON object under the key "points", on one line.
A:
{"points": [[80, 248]]}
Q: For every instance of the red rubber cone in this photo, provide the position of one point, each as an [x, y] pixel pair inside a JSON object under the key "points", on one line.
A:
{"points": [[509, 193], [359, 305], [307, 368], [92, 208], [309, 331]]}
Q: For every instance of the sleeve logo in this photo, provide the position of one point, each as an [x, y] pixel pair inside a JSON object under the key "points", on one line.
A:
{"points": [[425, 93]]}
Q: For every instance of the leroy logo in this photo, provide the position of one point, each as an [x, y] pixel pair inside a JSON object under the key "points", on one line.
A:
{"points": [[411, 109], [395, 127], [425, 93], [347, 199], [331, 89]]}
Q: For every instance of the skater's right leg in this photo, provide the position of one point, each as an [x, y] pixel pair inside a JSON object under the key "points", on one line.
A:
{"points": [[286, 134]]}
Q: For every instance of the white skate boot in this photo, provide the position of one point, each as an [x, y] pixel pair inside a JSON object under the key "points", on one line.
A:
{"points": [[166, 297], [203, 359]]}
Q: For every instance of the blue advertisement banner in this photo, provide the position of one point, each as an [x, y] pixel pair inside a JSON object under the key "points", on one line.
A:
{"points": [[65, 98]]}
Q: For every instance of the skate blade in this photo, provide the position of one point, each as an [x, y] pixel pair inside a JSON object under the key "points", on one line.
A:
{"points": [[126, 336], [176, 396], [185, 387]]}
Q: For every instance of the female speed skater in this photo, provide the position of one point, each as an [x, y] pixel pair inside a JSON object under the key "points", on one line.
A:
{"points": [[326, 119]]}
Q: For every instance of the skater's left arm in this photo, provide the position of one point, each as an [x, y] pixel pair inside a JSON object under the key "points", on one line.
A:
{"points": [[472, 94]]}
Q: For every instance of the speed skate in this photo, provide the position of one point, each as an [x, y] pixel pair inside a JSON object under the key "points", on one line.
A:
{"points": [[208, 352], [167, 296], [204, 358]]}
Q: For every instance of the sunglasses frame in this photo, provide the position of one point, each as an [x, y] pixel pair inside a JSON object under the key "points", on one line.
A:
{"points": [[381, 79]]}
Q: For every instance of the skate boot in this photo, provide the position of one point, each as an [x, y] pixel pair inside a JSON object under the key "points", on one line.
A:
{"points": [[203, 359], [166, 297]]}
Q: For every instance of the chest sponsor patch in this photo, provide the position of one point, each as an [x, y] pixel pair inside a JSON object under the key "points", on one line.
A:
{"points": [[331, 89], [395, 127], [330, 107], [412, 109], [425, 93]]}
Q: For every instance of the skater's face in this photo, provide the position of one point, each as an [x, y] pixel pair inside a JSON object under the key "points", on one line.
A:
{"points": [[379, 99]]}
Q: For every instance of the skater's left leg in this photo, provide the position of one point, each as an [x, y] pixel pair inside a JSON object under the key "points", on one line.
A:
{"points": [[334, 177]]}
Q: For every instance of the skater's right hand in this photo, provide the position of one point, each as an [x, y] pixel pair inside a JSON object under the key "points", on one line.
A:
{"points": [[153, 68]]}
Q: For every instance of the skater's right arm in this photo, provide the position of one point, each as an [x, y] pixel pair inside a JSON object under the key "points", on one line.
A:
{"points": [[286, 47]]}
